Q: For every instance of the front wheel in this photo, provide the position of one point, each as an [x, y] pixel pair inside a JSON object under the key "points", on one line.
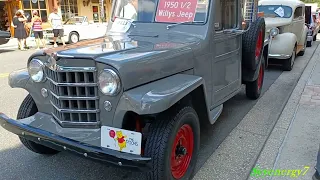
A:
{"points": [[288, 63], [27, 109], [73, 37], [173, 144], [253, 89]]}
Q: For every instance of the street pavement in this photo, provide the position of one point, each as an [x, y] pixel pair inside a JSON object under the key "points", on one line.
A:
{"points": [[229, 148]]}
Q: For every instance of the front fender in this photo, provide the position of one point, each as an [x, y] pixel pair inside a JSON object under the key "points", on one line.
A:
{"points": [[282, 45], [157, 96], [303, 36], [19, 78]]}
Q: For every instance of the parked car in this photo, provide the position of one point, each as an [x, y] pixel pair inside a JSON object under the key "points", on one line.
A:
{"points": [[78, 28], [313, 25], [285, 22], [4, 37], [136, 97]]}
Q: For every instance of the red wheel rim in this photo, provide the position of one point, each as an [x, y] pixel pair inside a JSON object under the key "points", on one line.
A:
{"points": [[181, 152], [259, 45], [260, 77]]}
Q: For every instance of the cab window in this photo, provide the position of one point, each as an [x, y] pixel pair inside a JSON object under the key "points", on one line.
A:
{"points": [[226, 15], [298, 13]]}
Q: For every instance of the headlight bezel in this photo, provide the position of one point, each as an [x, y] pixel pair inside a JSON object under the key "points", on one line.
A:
{"points": [[116, 78], [274, 32], [41, 67]]}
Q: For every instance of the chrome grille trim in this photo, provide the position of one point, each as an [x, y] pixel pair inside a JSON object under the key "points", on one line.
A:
{"points": [[73, 98], [73, 94], [72, 84], [74, 110]]}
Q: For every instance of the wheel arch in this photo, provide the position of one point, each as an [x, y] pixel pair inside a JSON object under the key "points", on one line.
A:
{"points": [[74, 31], [143, 101]]}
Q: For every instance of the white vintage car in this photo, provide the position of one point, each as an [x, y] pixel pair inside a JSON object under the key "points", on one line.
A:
{"points": [[285, 22], [78, 28]]}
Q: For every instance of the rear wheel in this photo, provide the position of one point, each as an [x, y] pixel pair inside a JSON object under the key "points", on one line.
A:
{"points": [[288, 63], [73, 37], [253, 89], [173, 144], [27, 109]]}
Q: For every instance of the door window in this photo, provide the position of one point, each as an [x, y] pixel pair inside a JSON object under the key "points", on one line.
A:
{"points": [[226, 14], [298, 13]]}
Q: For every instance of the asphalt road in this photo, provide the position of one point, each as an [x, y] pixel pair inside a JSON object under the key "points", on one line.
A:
{"points": [[16, 162]]}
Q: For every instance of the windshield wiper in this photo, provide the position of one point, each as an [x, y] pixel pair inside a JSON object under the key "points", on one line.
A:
{"points": [[195, 22]]}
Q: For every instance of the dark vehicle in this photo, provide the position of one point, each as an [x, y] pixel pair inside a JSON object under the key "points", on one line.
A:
{"points": [[312, 24], [136, 97], [4, 37]]}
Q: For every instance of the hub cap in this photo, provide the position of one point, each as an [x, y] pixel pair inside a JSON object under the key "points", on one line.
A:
{"points": [[182, 150], [74, 38], [259, 45]]}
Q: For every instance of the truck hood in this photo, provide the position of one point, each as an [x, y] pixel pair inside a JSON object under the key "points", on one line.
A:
{"points": [[137, 59], [276, 22]]}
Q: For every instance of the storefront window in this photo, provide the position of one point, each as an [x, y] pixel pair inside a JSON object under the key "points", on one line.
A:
{"points": [[39, 5], [69, 8]]}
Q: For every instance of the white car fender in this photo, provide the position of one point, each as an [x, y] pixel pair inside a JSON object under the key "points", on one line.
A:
{"points": [[303, 36], [282, 45]]}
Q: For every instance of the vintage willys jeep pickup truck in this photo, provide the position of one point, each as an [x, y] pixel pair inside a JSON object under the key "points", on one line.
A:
{"points": [[136, 97]]}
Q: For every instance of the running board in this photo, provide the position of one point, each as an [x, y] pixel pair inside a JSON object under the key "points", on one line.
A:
{"points": [[215, 113]]}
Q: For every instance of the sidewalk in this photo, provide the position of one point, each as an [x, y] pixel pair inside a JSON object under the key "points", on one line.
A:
{"points": [[13, 43], [292, 147]]}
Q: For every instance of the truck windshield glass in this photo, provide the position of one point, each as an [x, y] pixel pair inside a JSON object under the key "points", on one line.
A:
{"points": [[276, 11], [161, 11], [74, 20]]}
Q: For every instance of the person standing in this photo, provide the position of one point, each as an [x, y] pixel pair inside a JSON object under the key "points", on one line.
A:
{"points": [[36, 24], [20, 32], [55, 21]]}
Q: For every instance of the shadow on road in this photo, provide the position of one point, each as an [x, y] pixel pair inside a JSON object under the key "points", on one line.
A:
{"points": [[6, 50]]}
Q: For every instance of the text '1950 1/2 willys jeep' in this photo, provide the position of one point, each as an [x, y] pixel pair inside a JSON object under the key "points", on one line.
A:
{"points": [[136, 97], [285, 22]]}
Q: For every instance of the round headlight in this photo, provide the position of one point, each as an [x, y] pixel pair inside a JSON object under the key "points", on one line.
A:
{"points": [[274, 32], [35, 69], [109, 82]]}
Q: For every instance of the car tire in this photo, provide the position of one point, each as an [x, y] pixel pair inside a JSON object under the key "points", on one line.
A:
{"points": [[288, 63], [254, 88], [73, 37], [176, 124], [301, 53], [253, 43], [28, 108]]}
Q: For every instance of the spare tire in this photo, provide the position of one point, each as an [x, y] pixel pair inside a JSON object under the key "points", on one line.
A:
{"points": [[252, 44]]}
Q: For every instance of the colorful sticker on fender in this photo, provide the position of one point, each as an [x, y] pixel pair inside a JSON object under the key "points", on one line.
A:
{"points": [[176, 11], [121, 140]]}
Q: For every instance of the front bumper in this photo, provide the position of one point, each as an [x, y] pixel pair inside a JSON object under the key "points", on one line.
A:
{"points": [[57, 142]]}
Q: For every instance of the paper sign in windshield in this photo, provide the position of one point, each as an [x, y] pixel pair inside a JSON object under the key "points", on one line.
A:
{"points": [[121, 25], [176, 10], [280, 11]]}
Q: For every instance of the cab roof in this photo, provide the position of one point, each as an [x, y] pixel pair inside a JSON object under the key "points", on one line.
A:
{"points": [[291, 3]]}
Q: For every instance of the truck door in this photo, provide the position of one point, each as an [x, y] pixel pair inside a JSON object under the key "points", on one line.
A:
{"points": [[226, 43]]}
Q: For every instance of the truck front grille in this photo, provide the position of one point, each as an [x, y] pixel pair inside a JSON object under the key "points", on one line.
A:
{"points": [[74, 96]]}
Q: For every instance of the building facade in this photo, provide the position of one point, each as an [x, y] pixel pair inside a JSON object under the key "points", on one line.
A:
{"points": [[67, 8]]}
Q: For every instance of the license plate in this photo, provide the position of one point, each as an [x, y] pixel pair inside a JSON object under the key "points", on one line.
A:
{"points": [[121, 140]]}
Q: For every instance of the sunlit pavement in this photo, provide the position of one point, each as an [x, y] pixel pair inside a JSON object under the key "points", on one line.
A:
{"points": [[229, 148]]}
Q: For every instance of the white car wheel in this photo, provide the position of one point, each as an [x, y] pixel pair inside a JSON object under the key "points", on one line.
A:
{"points": [[74, 37]]}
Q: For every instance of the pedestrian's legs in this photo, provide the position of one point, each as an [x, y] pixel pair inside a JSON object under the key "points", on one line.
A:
{"points": [[20, 44], [44, 43], [55, 35], [38, 43], [61, 33]]}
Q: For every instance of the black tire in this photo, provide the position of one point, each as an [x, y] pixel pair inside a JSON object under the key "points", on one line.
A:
{"points": [[162, 136], [250, 42], [28, 108], [301, 53], [73, 37], [253, 89], [309, 43], [288, 63]]}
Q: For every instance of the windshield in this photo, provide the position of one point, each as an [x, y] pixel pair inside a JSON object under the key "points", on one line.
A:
{"points": [[276, 11], [74, 20], [166, 11]]}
